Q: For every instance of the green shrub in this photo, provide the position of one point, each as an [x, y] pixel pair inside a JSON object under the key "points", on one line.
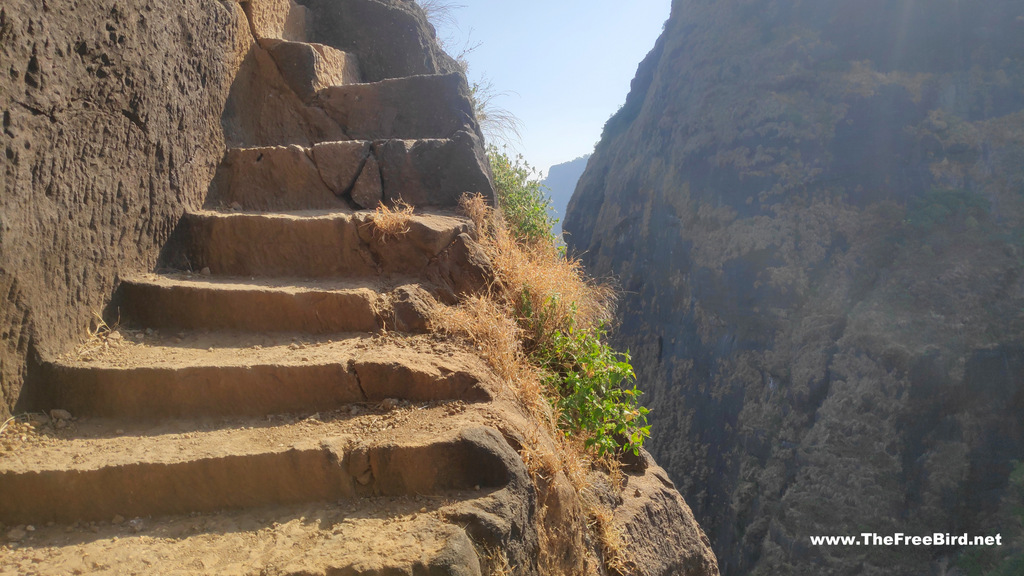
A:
{"points": [[561, 315], [521, 197], [596, 395]]}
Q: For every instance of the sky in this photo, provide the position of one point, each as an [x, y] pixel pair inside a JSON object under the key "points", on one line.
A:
{"points": [[566, 65]]}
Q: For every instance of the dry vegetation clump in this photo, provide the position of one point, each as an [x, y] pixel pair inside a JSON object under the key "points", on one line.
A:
{"points": [[539, 296], [391, 221], [535, 283]]}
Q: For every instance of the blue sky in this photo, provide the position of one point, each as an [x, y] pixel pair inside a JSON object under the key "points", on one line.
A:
{"points": [[566, 64]]}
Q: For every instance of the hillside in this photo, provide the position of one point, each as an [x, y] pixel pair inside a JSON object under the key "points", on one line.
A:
{"points": [[815, 213], [561, 182]]}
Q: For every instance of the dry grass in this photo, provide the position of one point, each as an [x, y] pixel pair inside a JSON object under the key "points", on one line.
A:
{"points": [[537, 292], [497, 123], [613, 547], [7, 423], [495, 562], [440, 13], [535, 283], [391, 221], [100, 336]]}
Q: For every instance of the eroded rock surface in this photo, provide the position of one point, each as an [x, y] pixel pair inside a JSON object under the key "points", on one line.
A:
{"points": [[112, 128], [266, 397], [815, 212]]}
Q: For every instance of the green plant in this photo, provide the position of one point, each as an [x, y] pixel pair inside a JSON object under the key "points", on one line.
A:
{"points": [[521, 197], [595, 391], [540, 328], [544, 316]]}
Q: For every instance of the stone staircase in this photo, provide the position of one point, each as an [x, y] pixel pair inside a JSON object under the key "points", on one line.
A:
{"points": [[274, 406]]}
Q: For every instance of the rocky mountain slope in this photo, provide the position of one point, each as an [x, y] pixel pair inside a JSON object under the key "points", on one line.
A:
{"points": [[815, 211], [260, 392], [561, 182]]}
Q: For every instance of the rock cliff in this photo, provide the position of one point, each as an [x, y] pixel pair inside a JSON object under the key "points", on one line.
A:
{"points": [[560, 182], [815, 212], [260, 392]]}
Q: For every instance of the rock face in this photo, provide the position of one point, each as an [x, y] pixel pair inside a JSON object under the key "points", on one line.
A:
{"points": [[285, 409], [561, 181], [814, 210], [112, 127]]}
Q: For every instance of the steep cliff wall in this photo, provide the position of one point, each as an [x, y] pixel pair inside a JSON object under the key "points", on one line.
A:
{"points": [[815, 212], [560, 182]]}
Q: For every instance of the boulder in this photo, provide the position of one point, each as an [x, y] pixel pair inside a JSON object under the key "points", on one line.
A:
{"points": [[433, 172], [278, 177], [391, 39]]}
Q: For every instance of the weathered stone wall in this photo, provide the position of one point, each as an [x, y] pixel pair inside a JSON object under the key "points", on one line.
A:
{"points": [[814, 209], [115, 116], [111, 128]]}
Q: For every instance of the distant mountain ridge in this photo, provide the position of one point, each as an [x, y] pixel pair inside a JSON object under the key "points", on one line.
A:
{"points": [[561, 182]]}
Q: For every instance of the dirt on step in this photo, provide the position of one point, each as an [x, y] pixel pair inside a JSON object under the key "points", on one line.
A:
{"points": [[366, 536]]}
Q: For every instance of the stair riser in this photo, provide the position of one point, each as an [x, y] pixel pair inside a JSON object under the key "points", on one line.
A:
{"points": [[159, 393], [288, 476], [405, 108], [420, 172], [194, 307], [154, 393], [252, 245]]}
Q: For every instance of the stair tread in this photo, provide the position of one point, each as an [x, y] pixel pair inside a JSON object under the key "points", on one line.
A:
{"points": [[182, 301], [377, 535], [238, 348], [316, 243], [435, 217], [92, 444], [289, 285], [223, 374]]}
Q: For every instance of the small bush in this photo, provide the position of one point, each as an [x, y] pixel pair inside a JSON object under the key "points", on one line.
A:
{"points": [[595, 397], [556, 319], [1008, 559], [540, 327], [521, 197]]}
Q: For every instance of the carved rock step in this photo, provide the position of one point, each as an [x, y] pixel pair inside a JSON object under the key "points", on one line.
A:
{"points": [[308, 68], [327, 175], [314, 243], [155, 472], [269, 305], [352, 537], [230, 374], [428, 106]]}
